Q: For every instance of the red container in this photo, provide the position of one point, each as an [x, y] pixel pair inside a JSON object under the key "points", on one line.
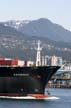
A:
{"points": [[14, 62], [2, 58], [9, 62], [2, 62]]}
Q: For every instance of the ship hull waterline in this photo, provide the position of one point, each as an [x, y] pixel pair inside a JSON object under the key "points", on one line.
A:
{"points": [[25, 81]]}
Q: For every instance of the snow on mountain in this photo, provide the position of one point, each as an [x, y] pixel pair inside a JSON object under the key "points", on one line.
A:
{"points": [[42, 28], [16, 23]]}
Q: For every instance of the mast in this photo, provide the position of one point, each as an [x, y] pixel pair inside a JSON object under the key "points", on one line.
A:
{"points": [[38, 57]]}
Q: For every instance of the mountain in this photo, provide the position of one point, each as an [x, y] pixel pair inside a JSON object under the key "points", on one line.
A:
{"points": [[16, 23], [15, 44], [6, 31], [42, 28]]}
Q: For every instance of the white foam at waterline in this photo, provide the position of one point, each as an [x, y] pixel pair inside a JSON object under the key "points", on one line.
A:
{"points": [[28, 97], [16, 97], [52, 98]]}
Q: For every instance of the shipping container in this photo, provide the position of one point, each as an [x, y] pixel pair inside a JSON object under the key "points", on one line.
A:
{"points": [[8, 62], [2, 58], [20, 63]]}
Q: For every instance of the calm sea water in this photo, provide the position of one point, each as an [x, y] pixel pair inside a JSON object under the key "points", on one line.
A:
{"points": [[64, 101]]}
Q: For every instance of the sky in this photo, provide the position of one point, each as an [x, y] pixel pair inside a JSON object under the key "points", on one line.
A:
{"points": [[57, 11]]}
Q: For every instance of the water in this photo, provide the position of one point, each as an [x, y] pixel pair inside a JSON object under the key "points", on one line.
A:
{"points": [[64, 101]]}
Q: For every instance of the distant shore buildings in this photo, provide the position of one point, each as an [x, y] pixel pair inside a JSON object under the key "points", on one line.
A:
{"points": [[62, 79], [52, 60]]}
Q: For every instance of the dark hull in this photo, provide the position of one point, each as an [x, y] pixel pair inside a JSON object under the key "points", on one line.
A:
{"points": [[22, 81]]}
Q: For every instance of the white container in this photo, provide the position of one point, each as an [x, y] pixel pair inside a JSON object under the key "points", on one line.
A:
{"points": [[20, 63], [30, 63]]}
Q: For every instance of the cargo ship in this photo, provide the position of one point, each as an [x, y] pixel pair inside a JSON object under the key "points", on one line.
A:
{"points": [[22, 79]]}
